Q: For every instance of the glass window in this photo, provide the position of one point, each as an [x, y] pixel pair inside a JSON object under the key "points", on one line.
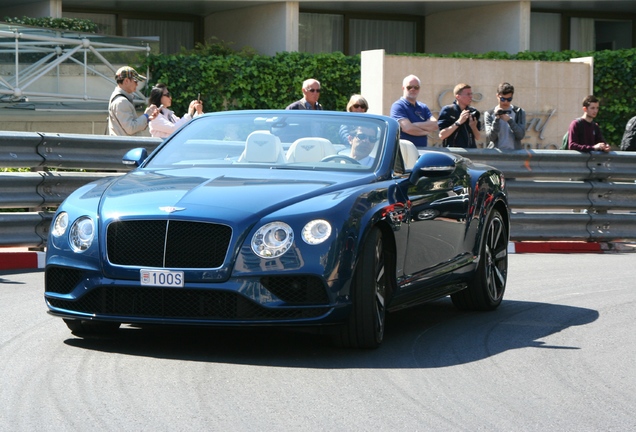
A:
{"points": [[545, 34], [106, 23], [320, 33], [392, 36], [613, 34], [172, 34], [589, 34]]}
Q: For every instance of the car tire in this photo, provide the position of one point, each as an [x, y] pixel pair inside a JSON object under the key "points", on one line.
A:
{"points": [[365, 328], [486, 290], [85, 328]]}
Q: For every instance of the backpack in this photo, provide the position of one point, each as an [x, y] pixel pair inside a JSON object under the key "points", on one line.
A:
{"points": [[628, 143], [565, 145]]}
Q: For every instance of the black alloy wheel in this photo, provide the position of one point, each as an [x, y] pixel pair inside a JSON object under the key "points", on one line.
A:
{"points": [[486, 290]]}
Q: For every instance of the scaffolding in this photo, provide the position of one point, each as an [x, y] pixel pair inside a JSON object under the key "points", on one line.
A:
{"points": [[47, 67]]}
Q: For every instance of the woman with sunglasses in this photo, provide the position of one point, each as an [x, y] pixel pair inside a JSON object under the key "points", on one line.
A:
{"points": [[505, 123], [167, 122], [357, 103]]}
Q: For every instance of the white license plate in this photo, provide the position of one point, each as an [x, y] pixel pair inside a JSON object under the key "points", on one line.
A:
{"points": [[161, 278]]}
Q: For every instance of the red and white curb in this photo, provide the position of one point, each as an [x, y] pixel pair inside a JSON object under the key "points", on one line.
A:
{"points": [[557, 247], [21, 260]]}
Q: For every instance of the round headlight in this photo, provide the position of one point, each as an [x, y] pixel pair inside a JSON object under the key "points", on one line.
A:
{"points": [[272, 240], [316, 231], [82, 234], [60, 224]]}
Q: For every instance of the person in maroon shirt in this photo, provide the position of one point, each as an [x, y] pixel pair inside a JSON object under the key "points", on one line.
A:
{"points": [[584, 133]]}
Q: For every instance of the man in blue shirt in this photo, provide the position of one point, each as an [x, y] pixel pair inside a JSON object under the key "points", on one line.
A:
{"points": [[415, 118]]}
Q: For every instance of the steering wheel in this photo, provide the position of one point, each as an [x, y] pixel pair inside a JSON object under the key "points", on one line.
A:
{"points": [[340, 158]]}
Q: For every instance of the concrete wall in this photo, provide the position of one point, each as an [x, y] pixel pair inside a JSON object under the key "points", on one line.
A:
{"points": [[24, 120], [44, 8], [550, 92], [268, 29], [500, 27]]}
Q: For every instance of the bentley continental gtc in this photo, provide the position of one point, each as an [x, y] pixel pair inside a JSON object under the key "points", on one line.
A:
{"points": [[320, 220]]}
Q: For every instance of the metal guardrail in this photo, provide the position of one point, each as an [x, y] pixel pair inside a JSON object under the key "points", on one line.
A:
{"points": [[554, 194]]}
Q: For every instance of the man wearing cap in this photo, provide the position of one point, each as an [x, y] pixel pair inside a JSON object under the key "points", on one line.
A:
{"points": [[122, 116]]}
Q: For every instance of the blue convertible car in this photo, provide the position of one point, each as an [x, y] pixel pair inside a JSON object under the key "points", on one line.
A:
{"points": [[279, 218]]}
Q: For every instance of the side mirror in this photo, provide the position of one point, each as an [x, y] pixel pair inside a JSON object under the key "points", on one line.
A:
{"points": [[433, 164], [135, 157]]}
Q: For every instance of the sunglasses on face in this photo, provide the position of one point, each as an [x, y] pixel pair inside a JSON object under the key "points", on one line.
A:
{"points": [[312, 90], [412, 87], [365, 137], [167, 94], [357, 106], [503, 99]]}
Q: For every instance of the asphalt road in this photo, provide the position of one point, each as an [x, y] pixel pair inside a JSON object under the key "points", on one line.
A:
{"points": [[558, 355]]}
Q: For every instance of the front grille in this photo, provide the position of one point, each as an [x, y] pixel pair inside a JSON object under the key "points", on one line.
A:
{"points": [[163, 243], [297, 289], [61, 280], [178, 303]]}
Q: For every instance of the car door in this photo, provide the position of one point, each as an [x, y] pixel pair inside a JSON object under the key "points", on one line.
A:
{"points": [[439, 206]]}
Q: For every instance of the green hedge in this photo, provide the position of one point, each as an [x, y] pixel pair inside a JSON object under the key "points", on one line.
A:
{"points": [[229, 81], [235, 81]]}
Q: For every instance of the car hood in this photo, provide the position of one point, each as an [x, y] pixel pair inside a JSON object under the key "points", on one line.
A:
{"points": [[225, 196]]}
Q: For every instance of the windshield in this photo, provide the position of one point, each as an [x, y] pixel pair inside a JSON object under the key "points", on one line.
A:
{"points": [[282, 140]]}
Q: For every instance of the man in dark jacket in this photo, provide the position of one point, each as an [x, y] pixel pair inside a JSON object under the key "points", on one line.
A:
{"points": [[311, 94], [458, 122]]}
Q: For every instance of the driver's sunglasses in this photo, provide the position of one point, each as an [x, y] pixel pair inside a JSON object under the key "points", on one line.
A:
{"points": [[363, 137], [503, 99]]}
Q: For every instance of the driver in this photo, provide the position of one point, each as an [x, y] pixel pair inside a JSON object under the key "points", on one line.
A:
{"points": [[362, 140]]}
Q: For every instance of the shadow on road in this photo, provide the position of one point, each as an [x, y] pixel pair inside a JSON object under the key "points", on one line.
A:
{"points": [[429, 336]]}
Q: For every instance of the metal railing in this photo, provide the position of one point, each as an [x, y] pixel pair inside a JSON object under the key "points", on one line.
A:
{"points": [[30, 56], [554, 194]]}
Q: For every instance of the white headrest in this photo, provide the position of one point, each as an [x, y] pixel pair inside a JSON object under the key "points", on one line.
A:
{"points": [[262, 146]]}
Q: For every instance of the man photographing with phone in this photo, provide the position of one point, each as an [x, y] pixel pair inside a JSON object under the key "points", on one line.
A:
{"points": [[505, 123]]}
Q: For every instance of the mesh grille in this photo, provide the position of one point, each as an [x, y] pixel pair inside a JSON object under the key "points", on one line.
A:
{"points": [[161, 243], [178, 303], [61, 280], [297, 289]]}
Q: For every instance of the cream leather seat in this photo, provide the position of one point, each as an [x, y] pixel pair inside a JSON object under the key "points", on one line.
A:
{"points": [[310, 150], [410, 154]]}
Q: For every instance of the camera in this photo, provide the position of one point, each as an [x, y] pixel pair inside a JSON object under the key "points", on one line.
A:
{"points": [[502, 112]]}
